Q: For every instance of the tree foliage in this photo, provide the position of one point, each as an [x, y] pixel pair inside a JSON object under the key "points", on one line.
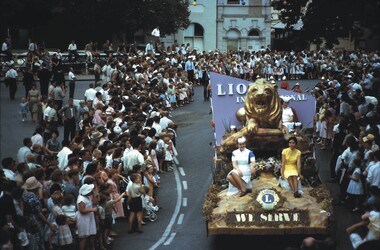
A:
{"points": [[24, 13], [331, 19], [127, 16]]}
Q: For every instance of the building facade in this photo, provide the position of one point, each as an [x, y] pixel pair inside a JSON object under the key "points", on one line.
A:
{"points": [[227, 25]]}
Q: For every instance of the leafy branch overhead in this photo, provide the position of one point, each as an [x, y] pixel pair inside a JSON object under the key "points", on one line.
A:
{"points": [[114, 15], [330, 19]]}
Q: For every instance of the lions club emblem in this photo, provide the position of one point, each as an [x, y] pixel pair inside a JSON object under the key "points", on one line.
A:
{"points": [[268, 199]]}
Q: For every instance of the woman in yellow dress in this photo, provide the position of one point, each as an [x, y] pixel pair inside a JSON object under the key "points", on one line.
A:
{"points": [[291, 165]]}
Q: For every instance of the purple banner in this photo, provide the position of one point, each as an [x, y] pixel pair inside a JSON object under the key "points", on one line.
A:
{"points": [[228, 95]]}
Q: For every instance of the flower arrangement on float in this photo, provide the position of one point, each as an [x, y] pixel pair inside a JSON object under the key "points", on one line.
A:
{"points": [[271, 165]]}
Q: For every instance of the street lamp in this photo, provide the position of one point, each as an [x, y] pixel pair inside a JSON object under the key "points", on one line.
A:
{"points": [[195, 3]]}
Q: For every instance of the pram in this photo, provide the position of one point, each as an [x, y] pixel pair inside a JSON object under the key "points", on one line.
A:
{"points": [[150, 214]]}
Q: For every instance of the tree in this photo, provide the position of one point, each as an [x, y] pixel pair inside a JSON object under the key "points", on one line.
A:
{"points": [[24, 13], [330, 19], [92, 16], [129, 16]]}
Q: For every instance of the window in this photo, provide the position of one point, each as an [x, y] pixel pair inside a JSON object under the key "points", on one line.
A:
{"points": [[253, 33], [194, 29], [233, 1]]}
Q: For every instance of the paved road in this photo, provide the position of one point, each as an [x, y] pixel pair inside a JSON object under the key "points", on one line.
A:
{"points": [[188, 231], [12, 129], [179, 224]]}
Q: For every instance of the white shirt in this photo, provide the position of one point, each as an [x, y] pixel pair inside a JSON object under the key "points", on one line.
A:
{"points": [[71, 76], [157, 127], [63, 157], [22, 153], [72, 46], [349, 157], [149, 47], [90, 94], [9, 174], [52, 115], [12, 73], [32, 46], [126, 151], [156, 32], [132, 158], [287, 113], [164, 122], [46, 112], [373, 177], [37, 139], [4, 47]]}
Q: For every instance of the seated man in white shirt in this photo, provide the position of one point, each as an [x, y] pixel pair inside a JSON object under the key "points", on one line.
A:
{"points": [[72, 50], [287, 115]]}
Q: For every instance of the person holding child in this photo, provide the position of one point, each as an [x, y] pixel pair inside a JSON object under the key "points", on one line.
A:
{"points": [[135, 191], [108, 204]]}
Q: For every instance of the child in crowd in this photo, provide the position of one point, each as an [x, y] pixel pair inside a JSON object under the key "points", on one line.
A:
{"points": [[156, 187], [372, 221], [24, 109], [101, 219], [355, 186], [168, 157], [61, 238], [69, 209], [148, 201], [22, 235], [108, 204]]}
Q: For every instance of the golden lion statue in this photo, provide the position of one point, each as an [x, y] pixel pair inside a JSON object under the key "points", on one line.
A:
{"points": [[262, 107], [262, 110]]}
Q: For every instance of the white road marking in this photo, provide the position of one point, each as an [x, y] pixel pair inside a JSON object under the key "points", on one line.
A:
{"points": [[181, 171], [174, 216], [170, 239], [180, 219], [184, 183], [184, 202]]}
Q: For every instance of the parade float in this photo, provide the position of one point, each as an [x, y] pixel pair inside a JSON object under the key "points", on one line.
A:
{"points": [[253, 110]]}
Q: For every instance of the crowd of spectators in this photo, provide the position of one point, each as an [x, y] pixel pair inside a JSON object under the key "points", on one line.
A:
{"points": [[122, 127]]}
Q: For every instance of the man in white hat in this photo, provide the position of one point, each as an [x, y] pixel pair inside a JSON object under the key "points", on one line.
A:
{"points": [[244, 166], [189, 67]]}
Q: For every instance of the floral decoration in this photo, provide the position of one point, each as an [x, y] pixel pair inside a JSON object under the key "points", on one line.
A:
{"points": [[271, 165]]}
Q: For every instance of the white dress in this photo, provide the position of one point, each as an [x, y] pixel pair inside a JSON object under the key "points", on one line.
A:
{"points": [[355, 187], [243, 159], [85, 222]]}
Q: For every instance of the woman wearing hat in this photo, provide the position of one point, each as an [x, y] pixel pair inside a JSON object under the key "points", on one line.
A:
{"points": [[33, 213], [86, 218], [244, 166]]}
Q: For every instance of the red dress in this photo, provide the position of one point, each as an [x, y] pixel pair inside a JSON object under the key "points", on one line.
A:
{"points": [[285, 85]]}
